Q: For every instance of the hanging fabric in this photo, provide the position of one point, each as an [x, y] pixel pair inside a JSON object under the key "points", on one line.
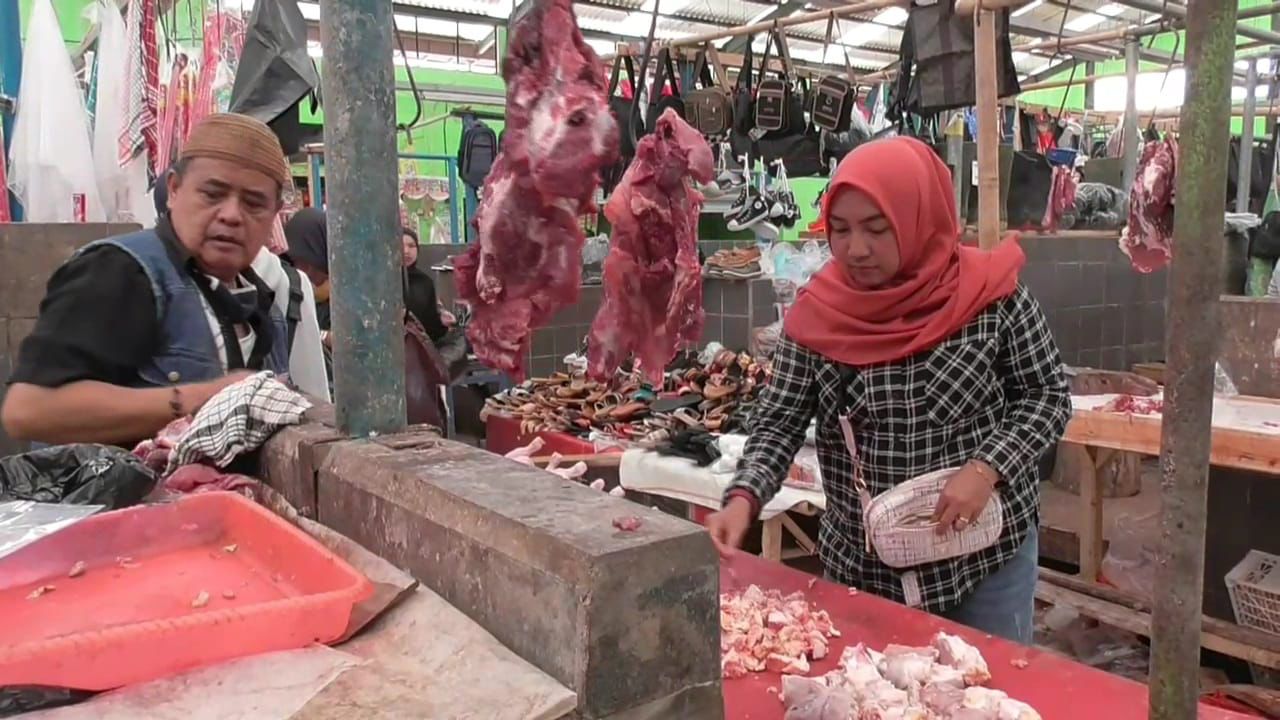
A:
{"points": [[124, 188], [52, 170], [142, 76], [275, 72], [937, 61], [169, 115]]}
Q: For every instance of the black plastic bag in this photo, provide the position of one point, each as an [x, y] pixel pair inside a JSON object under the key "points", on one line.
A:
{"points": [[19, 700], [81, 474]]}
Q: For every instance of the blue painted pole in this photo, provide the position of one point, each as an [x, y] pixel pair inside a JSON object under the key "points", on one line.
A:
{"points": [[363, 210], [10, 75], [453, 201]]}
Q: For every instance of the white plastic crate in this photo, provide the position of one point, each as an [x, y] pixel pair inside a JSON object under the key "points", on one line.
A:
{"points": [[1254, 584]]}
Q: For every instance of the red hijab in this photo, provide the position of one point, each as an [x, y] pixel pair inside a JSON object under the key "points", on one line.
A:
{"points": [[941, 285]]}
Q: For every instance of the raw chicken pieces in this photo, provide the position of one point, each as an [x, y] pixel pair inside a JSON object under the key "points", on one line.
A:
{"points": [[762, 630], [939, 682], [652, 277], [527, 261]]}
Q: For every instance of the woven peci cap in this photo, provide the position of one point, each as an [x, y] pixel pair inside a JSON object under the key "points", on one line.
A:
{"points": [[240, 139]]}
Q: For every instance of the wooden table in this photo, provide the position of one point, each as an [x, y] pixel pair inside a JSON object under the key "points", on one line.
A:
{"points": [[1246, 436]]}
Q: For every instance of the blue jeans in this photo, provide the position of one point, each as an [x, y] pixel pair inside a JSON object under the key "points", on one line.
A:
{"points": [[1003, 603]]}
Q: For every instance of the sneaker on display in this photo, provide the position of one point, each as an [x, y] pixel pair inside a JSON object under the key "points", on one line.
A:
{"points": [[757, 211]]}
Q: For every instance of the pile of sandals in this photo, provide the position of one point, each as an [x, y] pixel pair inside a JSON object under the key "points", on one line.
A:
{"points": [[715, 396]]}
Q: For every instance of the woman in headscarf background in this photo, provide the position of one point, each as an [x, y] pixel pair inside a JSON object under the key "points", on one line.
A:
{"points": [[939, 358], [420, 290]]}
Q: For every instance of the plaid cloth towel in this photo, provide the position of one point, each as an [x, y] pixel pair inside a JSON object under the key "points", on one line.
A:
{"points": [[237, 420]]}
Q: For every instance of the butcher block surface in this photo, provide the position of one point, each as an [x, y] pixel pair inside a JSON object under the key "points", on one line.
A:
{"points": [[1057, 687]]}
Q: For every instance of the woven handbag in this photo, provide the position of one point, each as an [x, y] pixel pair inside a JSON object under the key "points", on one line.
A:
{"points": [[899, 526]]}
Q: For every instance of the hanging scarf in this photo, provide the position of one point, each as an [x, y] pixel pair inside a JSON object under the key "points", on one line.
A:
{"points": [[169, 130], [940, 286], [142, 92]]}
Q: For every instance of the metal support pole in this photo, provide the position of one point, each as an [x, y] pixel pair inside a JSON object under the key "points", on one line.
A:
{"points": [[955, 158], [1195, 283], [316, 177], [1244, 180], [10, 76], [990, 120], [1131, 141], [362, 193]]}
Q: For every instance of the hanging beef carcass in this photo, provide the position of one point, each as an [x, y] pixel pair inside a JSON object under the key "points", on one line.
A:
{"points": [[1148, 237], [652, 278], [527, 260]]}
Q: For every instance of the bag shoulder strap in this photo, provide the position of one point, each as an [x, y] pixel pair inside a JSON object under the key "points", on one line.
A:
{"points": [[747, 70], [293, 311], [784, 54], [702, 71], [713, 57]]}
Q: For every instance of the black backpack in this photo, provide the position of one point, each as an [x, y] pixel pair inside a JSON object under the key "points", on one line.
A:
{"points": [[476, 151]]}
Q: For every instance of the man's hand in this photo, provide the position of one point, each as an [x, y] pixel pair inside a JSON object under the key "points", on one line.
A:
{"points": [[196, 395], [964, 496], [728, 526]]}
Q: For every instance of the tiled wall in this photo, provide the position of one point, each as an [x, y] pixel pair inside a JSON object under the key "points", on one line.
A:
{"points": [[1103, 313]]}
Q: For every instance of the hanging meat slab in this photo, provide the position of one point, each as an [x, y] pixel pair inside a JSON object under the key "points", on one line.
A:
{"points": [[1148, 238], [652, 277], [527, 261]]}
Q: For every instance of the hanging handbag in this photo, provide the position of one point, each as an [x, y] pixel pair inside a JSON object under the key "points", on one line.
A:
{"points": [[659, 102], [834, 98], [774, 97], [742, 137], [898, 523], [622, 107], [709, 108]]}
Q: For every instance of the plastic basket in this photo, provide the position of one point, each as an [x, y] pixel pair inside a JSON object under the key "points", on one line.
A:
{"points": [[1254, 585]]}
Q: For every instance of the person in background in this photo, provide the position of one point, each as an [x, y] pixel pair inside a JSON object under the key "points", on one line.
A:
{"points": [[425, 371], [914, 354], [420, 291], [137, 330], [295, 298]]}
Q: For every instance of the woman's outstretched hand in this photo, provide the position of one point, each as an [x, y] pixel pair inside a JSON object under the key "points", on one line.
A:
{"points": [[729, 526], [964, 496]]}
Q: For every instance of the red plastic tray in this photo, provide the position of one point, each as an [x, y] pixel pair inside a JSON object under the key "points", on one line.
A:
{"points": [[132, 615]]}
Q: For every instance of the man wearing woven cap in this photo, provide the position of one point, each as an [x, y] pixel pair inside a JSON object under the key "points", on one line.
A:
{"points": [[139, 329]]}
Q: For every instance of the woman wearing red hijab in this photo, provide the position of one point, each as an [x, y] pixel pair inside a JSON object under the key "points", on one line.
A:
{"points": [[938, 358]]}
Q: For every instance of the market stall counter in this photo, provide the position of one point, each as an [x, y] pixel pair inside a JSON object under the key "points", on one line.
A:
{"points": [[1056, 687]]}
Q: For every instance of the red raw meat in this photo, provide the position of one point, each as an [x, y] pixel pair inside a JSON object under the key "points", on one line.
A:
{"points": [[1132, 405], [628, 523], [155, 453], [527, 261], [1148, 237], [194, 478], [1062, 196], [652, 278]]}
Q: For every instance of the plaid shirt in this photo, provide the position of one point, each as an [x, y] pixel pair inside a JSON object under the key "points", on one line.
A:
{"points": [[993, 391]]}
